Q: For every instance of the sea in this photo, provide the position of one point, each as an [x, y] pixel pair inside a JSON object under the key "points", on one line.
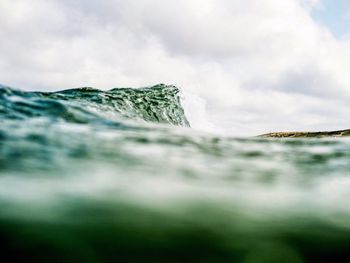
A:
{"points": [[123, 176]]}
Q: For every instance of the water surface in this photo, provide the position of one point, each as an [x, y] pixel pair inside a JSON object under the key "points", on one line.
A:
{"points": [[119, 176]]}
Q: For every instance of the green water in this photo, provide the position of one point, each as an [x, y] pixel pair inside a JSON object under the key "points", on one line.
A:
{"points": [[119, 176]]}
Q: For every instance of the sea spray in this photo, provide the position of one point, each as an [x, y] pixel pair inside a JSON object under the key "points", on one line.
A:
{"points": [[195, 111]]}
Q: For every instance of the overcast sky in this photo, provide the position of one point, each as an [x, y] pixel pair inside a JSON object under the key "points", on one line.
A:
{"points": [[260, 65]]}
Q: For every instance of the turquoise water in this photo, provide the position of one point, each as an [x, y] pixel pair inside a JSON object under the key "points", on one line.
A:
{"points": [[119, 176]]}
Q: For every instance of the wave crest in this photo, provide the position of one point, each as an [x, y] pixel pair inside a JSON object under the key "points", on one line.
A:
{"points": [[159, 103]]}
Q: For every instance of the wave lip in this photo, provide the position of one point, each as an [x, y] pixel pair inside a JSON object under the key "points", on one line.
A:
{"points": [[159, 104]]}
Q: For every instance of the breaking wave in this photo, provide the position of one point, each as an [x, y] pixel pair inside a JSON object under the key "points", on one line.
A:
{"points": [[159, 104]]}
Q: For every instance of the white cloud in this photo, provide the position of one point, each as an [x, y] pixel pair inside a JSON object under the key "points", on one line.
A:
{"points": [[310, 4], [262, 65]]}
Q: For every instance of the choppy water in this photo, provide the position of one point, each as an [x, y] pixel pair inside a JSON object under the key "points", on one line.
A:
{"points": [[118, 176]]}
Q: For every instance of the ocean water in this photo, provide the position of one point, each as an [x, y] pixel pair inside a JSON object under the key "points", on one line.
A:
{"points": [[120, 176]]}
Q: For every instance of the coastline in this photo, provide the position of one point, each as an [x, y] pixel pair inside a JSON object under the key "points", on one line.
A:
{"points": [[340, 133]]}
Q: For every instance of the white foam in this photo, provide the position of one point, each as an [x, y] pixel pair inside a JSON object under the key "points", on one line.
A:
{"points": [[195, 111]]}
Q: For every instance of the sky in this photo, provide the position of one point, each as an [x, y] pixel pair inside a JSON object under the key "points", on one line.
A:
{"points": [[260, 66], [334, 14]]}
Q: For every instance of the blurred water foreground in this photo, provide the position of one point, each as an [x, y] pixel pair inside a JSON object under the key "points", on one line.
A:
{"points": [[118, 176]]}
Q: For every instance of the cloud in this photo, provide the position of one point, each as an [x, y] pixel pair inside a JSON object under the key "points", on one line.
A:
{"points": [[261, 65], [310, 4]]}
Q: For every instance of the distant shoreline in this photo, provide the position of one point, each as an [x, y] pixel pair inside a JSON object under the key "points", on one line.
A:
{"points": [[342, 133]]}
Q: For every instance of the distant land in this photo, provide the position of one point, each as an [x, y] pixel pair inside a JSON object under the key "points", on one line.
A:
{"points": [[342, 133]]}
